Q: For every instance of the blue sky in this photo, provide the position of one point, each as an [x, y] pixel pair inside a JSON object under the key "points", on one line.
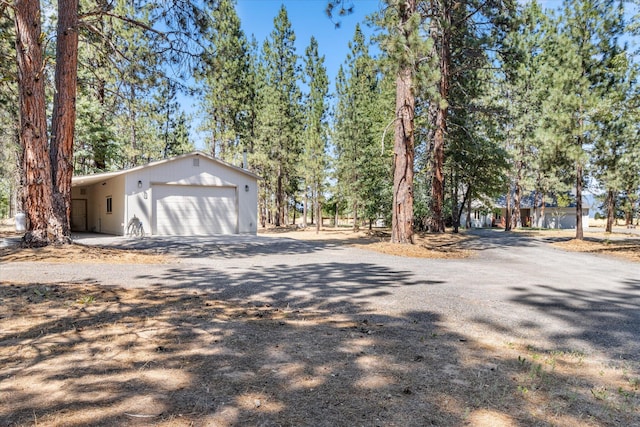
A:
{"points": [[308, 18]]}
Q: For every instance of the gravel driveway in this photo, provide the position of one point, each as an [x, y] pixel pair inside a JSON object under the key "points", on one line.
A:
{"points": [[516, 288]]}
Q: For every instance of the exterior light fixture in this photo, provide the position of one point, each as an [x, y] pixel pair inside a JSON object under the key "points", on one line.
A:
{"points": [[139, 184], [246, 188]]}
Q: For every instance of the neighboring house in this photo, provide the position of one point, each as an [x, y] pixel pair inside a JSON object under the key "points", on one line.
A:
{"points": [[553, 216], [192, 194]]}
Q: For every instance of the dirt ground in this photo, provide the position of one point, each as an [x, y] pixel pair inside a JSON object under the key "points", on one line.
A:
{"points": [[450, 245], [75, 354]]}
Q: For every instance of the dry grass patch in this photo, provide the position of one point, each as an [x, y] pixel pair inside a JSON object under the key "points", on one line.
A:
{"points": [[438, 245], [73, 253], [628, 249], [79, 254], [82, 354], [618, 244], [441, 246]]}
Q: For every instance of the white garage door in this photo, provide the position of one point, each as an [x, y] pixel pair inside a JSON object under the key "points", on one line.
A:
{"points": [[181, 210]]}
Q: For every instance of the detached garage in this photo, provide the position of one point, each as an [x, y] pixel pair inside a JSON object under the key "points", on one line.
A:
{"points": [[189, 195]]}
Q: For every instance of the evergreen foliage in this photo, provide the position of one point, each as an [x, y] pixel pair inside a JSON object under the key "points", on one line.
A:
{"points": [[223, 75], [9, 153], [491, 98], [279, 120], [316, 131], [362, 173]]}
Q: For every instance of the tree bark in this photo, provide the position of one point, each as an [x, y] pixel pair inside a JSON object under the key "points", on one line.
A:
{"points": [[611, 210], [403, 147], [466, 200], [436, 222], [318, 216], [64, 116], [507, 212], [579, 229], [279, 199], [455, 212], [535, 213], [132, 122], [402, 217], [468, 221], [36, 196], [517, 194], [305, 203], [438, 115], [294, 211]]}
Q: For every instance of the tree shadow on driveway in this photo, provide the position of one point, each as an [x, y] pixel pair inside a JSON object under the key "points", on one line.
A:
{"points": [[606, 321], [313, 285], [222, 246], [278, 345]]}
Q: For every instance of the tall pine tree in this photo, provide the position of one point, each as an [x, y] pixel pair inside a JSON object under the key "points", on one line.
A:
{"points": [[314, 151], [354, 136], [224, 72], [279, 119]]}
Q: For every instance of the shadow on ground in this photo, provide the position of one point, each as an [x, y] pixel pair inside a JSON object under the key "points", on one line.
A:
{"points": [[605, 319], [280, 345], [492, 238], [229, 247]]}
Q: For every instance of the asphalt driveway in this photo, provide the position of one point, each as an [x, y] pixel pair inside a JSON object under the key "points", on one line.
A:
{"points": [[517, 288]]}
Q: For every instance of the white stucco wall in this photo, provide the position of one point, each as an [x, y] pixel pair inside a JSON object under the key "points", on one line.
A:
{"points": [[564, 218], [181, 172], [98, 220], [132, 191]]}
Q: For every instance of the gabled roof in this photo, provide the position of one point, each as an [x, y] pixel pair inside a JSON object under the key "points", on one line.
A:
{"points": [[98, 177], [527, 201]]}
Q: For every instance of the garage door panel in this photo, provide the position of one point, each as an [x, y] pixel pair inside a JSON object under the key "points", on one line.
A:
{"points": [[187, 210]]}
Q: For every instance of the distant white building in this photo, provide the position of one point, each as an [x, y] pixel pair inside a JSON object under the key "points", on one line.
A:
{"points": [[549, 216]]}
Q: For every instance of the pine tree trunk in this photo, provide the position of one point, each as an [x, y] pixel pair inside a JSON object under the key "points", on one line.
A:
{"points": [[534, 213], [64, 116], [318, 216], [438, 115], [304, 206], [507, 213], [468, 221], [402, 216], [36, 197], [466, 199], [99, 153], [314, 202], [517, 193], [355, 216], [279, 199], [134, 135], [517, 216], [455, 212], [579, 230], [294, 212], [436, 223], [403, 147], [611, 210]]}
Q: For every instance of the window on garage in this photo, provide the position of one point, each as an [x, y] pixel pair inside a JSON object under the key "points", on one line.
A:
{"points": [[109, 204]]}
